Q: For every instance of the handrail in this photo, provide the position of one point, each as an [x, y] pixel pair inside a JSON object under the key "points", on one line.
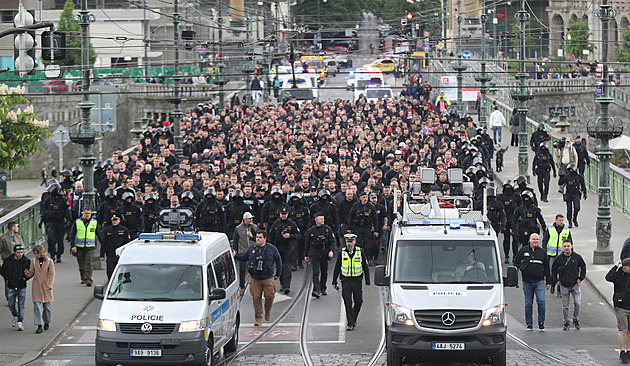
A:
{"points": [[27, 216]]}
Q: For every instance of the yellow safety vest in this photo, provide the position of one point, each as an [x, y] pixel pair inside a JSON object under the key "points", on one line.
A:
{"points": [[351, 267], [86, 235], [554, 245]]}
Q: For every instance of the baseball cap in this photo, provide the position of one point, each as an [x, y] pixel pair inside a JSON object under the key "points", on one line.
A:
{"points": [[248, 215], [116, 171], [18, 247], [284, 210], [206, 151]]}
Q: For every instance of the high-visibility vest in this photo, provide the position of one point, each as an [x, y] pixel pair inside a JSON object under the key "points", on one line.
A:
{"points": [[351, 267], [86, 235], [554, 245]]}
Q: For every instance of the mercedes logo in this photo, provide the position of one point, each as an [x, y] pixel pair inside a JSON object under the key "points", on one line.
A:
{"points": [[147, 327], [448, 318]]}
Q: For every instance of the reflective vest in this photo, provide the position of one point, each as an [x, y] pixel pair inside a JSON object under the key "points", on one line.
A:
{"points": [[351, 267], [554, 245], [86, 235]]}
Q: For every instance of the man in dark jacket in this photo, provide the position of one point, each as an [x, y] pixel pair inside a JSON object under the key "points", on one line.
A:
{"points": [[319, 241], [284, 234], [619, 275], [114, 236], [568, 271], [534, 265], [14, 270]]}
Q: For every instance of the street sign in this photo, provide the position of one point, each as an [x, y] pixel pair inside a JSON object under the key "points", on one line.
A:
{"points": [[599, 71], [61, 136], [104, 111], [599, 88], [440, 46], [466, 55], [426, 34], [201, 50]]}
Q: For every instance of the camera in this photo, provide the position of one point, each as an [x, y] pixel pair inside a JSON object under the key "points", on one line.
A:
{"points": [[559, 144], [260, 261]]}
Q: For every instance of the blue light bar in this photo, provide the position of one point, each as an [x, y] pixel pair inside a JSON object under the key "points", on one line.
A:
{"points": [[150, 237], [438, 221], [188, 237], [159, 236]]}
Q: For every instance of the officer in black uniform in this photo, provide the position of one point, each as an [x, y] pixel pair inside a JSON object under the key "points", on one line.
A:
{"points": [[114, 237], [575, 187], [510, 202], [108, 209], [209, 215], [496, 214], [521, 186], [318, 243], [543, 163], [328, 207], [150, 211], [583, 159], [235, 209], [363, 222], [302, 217], [67, 184], [188, 200], [525, 218], [56, 214], [131, 215], [271, 209], [538, 137], [351, 267], [283, 234]]}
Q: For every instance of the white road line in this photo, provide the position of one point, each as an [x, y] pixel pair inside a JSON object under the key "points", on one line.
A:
{"points": [[57, 362], [75, 345], [342, 331], [323, 324], [293, 342], [86, 327]]}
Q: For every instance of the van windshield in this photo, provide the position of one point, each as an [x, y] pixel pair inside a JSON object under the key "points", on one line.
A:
{"points": [[156, 282], [361, 84], [433, 261], [378, 93]]}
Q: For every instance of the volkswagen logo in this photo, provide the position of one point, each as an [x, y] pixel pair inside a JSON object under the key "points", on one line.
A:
{"points": [[448, 318], [147, 327]]}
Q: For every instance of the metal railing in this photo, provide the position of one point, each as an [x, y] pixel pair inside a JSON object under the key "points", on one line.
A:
{"points": [[27, 216]]}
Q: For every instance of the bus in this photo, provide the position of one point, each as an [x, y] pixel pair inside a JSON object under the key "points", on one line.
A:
{"points": [[316, 62]]}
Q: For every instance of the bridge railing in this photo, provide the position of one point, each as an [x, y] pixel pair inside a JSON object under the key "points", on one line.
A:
{"points": [[619, 178], [27, 217], [187, 90]]}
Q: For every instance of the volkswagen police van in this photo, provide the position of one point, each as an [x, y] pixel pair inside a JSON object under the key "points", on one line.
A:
{"points": [[171, 300]]}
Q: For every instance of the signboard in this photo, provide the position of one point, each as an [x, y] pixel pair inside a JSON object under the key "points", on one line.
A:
{"points": [[599, 71], [440, 46], [401, 49], [201, 50], [501, 15], [426, 34], [599, 88], [467, 55], [103, 113], [449, 86], [61, 136]]}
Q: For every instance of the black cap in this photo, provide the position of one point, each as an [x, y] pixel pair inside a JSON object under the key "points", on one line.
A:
{"points": [[115, 218], [284, 210], [364, 193]]}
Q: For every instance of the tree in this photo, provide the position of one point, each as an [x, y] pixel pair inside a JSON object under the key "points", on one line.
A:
{"points": [[20, 130], [579, 33], [73, 37], [622, 52]]}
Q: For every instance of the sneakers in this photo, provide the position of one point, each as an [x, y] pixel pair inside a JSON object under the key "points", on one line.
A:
{"points": [[576, 324], [565, 326], [541, 326], [559, 294], [83, 282], [88, 283], [286, 291], [623, 357], [14, 322], [316, 295], [530, 327], [20, 326], [350, 328], [552, 290]]}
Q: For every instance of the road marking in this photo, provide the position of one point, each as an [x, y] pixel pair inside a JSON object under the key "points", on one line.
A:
{"points": [[86, 327], [293, 342], [56, 362], [342, 331], [75, 345], [323, 324]]}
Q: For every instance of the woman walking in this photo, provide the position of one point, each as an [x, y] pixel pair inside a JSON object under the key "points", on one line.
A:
{"points": [[43, 272]]}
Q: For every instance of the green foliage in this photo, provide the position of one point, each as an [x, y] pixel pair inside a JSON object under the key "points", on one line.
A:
{"points": [[622, 52], [21, 129], [334, 15], [531, 40], [73, 37], [579, 39]]}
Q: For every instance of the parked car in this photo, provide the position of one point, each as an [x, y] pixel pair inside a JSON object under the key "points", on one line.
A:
{"points": [[56, 86], [343, 61], [332, 68], [385, 64], [336, 49]]}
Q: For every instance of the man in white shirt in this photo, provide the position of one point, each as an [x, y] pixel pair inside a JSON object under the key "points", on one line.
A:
{"points": [[496, 122]]}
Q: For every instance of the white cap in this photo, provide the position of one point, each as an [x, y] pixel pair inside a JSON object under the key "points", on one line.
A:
{"points": [[248, 215]]}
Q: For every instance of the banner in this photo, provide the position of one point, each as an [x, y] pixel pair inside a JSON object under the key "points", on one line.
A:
{"points": [[449, 86]]}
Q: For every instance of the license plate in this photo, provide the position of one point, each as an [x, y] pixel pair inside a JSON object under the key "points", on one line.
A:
{"points": [[145, 353], [459, 346]]}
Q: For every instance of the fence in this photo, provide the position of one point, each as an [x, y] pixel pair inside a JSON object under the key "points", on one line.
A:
{"points": [[27, 216]]}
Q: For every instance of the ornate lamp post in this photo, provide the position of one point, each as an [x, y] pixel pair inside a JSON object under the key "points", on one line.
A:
{"points": [[483, 77], [176, 97], [604, 128], [459, 67], [522, 94]]}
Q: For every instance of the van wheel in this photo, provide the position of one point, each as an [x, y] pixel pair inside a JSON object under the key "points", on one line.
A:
{"points": [[392, 358], [500, 359], [232, 345], [209, 359]]}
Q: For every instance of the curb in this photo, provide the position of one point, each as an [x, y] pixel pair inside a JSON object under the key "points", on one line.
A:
{"points": [[599, 293]]}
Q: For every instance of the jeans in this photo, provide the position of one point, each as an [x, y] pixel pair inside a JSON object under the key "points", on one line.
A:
{"points": [[384, 238], [551, 260], [497, 130], [42, 313], [529, 289], [577, 300], [20, 296]]}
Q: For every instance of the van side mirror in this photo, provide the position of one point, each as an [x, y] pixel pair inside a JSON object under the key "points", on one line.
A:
{"points": [[379, 276], [512, 277], [217, 294], [99, 292]]}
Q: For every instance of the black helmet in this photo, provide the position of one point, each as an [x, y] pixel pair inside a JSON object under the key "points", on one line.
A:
{"points": [[521, 179], [108, 162], [189, 195], [541, 126], [51, 181], [128, 195], [508, 182], [527, 193], [110, 191], [66, 173], [98, 165], [237, 193], [54, 186], [572, 166], [150, 196], [276, 190], [210, 191], [323, 192]]}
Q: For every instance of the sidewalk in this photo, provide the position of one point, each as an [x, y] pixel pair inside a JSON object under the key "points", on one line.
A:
{"points": [[584, 238], [25, 188]]}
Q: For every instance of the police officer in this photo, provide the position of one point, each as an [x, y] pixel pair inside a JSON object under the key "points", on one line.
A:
{"points": [[188, 200], [583, 159], [552, 241], [521, 186], [131, 215], [364, 223], [114, 236], [67, 184], [235, 209], [271, 209], [209, 215], [283, 234], [525, 217], [302, 217], [150, 211], [324, 204], [318, 244], [351, 267], [575, 188], [538, 137], [510, 202], [56, 214], [496, 214], [543, 163], [108, 208], [83, 243]]}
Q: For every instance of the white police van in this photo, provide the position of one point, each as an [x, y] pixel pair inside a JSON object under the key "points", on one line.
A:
{"points": [[442, 282], [171, 300]]}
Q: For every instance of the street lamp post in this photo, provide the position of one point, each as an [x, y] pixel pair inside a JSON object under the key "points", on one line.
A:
{"points": [[522, 94], [483, 77], [459, 67], [176, 97], [604, 128]]}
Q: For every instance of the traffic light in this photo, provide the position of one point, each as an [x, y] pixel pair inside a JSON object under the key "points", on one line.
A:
{"points": [[53, 45], [409, 17], [24, 43]]}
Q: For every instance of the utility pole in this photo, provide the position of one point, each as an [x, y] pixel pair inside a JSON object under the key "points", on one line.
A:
{"points": [[604, 129], [85, 133], [483, 77], [459, 67], [146, 43], [495, 44], [522, 94], [176, 98]]}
